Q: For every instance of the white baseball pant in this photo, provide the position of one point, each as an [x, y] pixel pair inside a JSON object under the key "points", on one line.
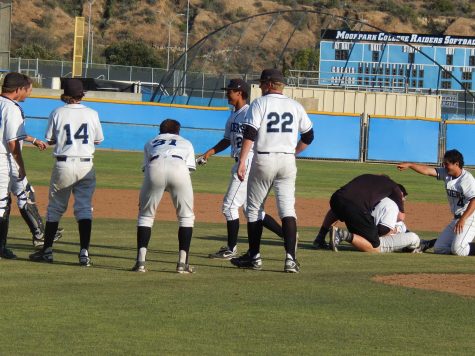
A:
{"points": [[71, 176], [166, 174], [397, 242], [449, 242], [272, 170]]}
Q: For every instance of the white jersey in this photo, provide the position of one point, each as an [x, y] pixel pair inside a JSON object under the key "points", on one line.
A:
{"points": [[170, 145], [385, 213], [11, 123], [278, 120], [459, 190], [75, 128], [234, 128]]}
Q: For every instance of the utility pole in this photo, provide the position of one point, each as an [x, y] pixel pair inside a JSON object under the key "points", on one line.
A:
{"points": [[89, 37]]}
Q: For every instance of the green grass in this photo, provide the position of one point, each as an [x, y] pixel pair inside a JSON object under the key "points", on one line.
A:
{"points": [[315, 179], [332, 307]]}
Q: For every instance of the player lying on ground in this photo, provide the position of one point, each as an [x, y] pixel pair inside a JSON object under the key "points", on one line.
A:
{"points": [[457, 238], [168, 160], [237, 93]]}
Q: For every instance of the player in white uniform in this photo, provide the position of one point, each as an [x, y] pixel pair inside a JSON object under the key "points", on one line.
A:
{"points": [[457, 237], [22, 189], [14, 88], [74, 129], [168, 160], [393, 234], [237, 93], [272, 126]]}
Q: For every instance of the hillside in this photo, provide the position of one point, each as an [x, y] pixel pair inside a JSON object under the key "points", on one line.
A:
{"points": [[44, 29]]}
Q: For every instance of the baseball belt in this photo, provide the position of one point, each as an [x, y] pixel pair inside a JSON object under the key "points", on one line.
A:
{"points": [[64, 159], [155, 157]]}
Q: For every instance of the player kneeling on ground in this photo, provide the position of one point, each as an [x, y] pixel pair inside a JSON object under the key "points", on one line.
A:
{"points": [[168, 158], [457, 237], [355, 203], [74, 129]]}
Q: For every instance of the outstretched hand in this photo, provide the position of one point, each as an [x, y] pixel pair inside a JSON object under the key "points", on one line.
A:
{"points": [[403, 166]]}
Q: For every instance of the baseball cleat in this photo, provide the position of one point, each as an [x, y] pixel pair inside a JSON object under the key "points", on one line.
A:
{"points": [[38, 243], [7, 254], [246, 261], [291, 266], [184, 268], [42, 256], [84, 261], [334, 238], [424, 245], [224, 253], [139, 267], [319, 244], [59, 234]]}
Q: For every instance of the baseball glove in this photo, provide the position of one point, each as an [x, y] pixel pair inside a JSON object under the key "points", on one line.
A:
{"points": [[201, 161]]}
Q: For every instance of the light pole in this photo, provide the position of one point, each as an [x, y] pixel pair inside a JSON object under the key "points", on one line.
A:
{"points": [[186, 44], [89, 35], [168, 48]]}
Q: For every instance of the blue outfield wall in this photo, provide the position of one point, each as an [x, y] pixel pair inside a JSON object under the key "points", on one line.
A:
{"points": [[458, 135], [127, 126], [403, 139], [336, 137]]}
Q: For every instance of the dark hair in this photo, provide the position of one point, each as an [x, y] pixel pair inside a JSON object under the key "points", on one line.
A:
{"points": [[170, 126], [244, 94], [454, 156], [14, 81], [403, 190]]}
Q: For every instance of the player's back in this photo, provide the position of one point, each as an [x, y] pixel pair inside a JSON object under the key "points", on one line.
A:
{"points": [[75, 128], [171, 145], [278, 120]]}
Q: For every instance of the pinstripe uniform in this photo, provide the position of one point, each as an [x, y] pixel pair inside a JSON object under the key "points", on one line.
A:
{"points": [[460, 191]]}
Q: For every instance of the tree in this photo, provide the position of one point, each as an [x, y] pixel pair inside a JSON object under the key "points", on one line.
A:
{"points": [[132, 53], [305, 59]]}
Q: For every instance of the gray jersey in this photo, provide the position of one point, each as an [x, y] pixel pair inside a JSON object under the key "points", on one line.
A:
{"points": [[459, 190], [234, 128]]}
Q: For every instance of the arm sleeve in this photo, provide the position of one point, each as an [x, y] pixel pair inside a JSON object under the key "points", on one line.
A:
{"points": [[305, 124], [307, 137], [227, 130], [50, 134], [441, 173], [383, 230], [249, 132], [14, 128], [98, 129]]}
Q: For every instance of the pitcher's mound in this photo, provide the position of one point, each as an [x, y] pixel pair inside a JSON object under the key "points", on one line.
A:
{"points": [[461, 284]]}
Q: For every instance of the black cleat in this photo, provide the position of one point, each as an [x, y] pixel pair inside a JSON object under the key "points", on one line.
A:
{"points": [[424, 245], [7, 254], [42, 256], [246, 261]]}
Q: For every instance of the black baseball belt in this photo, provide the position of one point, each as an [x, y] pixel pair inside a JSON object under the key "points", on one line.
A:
{"points": [[65, 158], [174, 156], [457, 216]]}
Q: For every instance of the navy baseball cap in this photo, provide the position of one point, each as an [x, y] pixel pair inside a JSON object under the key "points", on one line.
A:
{"points": [[272, 75], [73, 87], [237, 84]]}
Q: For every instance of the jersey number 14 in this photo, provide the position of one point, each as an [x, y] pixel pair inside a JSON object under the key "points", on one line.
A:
{"points": [[81, 134]]}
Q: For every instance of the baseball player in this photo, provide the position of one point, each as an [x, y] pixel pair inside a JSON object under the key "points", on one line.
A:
{"points": [[237, 93], [457, 237], [168, 159], [22, 189], [14, 88], [353, 203], [74, 129], [272, 126]]}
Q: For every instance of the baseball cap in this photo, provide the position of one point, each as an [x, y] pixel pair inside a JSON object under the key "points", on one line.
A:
{"points": [[272, 75], [237, 84], [14, 80], [73, 87]]}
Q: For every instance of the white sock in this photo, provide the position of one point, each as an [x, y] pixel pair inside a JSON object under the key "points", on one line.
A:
{"points": [[142, 254], [182, 256], [257, 255], [83, 252]]}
